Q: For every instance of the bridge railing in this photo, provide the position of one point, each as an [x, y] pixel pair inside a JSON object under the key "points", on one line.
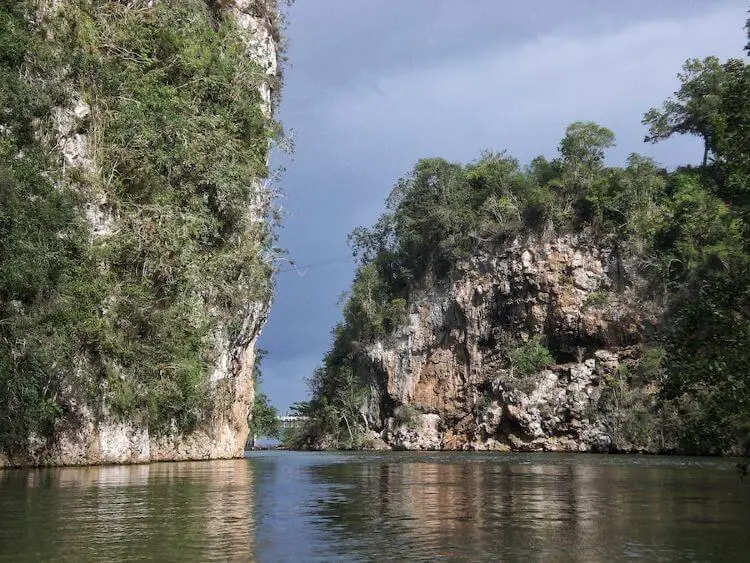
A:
{"points": [[292, 421]]}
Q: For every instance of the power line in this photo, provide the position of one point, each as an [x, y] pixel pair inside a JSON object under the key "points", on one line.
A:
{"points": [[299, 269]]}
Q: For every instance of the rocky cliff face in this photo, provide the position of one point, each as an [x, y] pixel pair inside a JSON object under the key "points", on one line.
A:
{"points": [[91, 432], [444, 380]]}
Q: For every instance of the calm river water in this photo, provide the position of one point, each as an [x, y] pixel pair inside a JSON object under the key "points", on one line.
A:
{"points": [[287, 506]]}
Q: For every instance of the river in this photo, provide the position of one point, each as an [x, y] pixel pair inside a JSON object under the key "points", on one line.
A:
{"points": [[390, 506]]}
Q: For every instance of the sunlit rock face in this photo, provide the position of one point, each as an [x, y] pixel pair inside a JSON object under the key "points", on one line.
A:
{"points": [[93, 434], [449, 362]]}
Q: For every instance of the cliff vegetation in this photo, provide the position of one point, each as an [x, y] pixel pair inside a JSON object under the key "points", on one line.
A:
{"points": [[134, 232]]}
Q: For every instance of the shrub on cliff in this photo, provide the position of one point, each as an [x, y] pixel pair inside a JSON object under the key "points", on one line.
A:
{"points": [[406, 416], [530, 357]]}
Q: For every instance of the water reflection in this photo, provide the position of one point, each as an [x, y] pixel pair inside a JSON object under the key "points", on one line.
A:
{"points": [[194, 511], [548, 508], [281, 506]]}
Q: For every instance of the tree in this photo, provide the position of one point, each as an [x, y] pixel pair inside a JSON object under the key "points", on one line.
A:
{"points": [[713, 103], [732, 135], [694, 108], [584, 146], [583, 150], [264, 419]]}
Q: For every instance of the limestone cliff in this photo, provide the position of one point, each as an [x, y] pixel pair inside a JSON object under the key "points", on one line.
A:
{"points": [[193, 400], [443, 380], [561, 304]]}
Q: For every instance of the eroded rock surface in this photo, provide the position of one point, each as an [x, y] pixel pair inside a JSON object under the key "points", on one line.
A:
{"points": [[450, 360]]}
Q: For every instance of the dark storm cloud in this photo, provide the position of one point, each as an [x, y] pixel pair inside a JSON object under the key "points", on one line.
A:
{"points": [[374, 86]]}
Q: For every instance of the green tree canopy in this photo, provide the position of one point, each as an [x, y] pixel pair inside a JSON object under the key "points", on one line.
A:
{"points": [[694, 107], [264, 416], [264, 420], [584, 148]]}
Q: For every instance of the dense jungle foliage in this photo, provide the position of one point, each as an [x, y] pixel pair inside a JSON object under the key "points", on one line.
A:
{"points": [[689, 226], [177, 137]]}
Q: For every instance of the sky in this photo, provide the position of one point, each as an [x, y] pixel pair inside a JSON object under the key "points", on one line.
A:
{"points": [[371, 87]]}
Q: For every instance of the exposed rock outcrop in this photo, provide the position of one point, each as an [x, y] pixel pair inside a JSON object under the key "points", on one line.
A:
{"points": [[450, 361]]}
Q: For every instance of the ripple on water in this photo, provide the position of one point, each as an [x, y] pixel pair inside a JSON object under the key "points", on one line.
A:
{"points": [[285, 506]]}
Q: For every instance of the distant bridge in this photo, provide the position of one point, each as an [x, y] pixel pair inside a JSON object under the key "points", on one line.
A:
{"points": [[284, 422], [292, 421]]}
